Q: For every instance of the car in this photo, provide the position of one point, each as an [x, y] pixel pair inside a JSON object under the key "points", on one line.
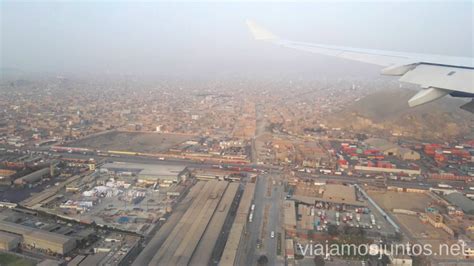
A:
{"points": [[272, 234]]}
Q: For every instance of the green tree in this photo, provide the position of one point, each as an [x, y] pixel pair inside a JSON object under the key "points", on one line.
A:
{"points": [[332, 230], [262, 260], [319, 261]]}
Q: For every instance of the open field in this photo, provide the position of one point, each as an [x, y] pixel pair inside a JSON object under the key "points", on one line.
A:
{"points": [[416, 229], [390, 200], [131, 141], [426, 234], [13, 260]]}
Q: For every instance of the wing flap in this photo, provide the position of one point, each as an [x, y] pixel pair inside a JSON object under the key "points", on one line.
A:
{"points": [[443, 77]]}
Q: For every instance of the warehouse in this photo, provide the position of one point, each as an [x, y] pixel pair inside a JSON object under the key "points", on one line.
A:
{"points": [[148, 173], [461, 201], [408, 154], [203, 253], [9, 241], [182, 241], [235, 239], [40, 239], [391, 149], [6, 176], [289, 217], [33, 177], [371, 169]]}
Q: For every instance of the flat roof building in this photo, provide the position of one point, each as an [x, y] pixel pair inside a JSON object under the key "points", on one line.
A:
{"points": [[392, 149], [33, 177], [40, 239], [289, 217], [148, 172], [230, 255], [9, 241], [461, 201]]}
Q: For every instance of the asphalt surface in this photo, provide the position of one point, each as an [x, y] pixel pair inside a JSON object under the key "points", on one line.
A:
{"points": [[249, 252]]}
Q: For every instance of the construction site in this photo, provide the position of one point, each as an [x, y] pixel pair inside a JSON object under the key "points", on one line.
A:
{"points": [[198, 229]]}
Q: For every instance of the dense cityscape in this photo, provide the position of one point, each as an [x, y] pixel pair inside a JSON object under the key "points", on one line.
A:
{"points": [[97, 173], [295, 133]]}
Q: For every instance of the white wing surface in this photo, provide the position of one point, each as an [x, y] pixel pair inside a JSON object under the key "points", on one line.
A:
{"points": [[437, 75]]}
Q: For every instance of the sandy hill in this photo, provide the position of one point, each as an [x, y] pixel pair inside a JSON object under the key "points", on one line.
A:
{"points": [[387, 110]]}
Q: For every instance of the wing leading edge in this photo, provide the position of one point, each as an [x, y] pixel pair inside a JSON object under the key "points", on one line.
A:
{"points": [[437, 75]]}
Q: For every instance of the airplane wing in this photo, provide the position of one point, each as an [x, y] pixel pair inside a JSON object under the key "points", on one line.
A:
{"points": [[437, 75]]}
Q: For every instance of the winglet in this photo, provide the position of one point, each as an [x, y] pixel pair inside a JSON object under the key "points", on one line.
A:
{"points": [[260, 33]]}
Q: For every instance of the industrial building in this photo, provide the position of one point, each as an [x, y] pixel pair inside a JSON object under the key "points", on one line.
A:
{"points": [[289, 217], [373, 169], [229, 256], [6, 175], [40, 239], [391, 149], [461, 201], [9, 241], [192, 239], [33, 177], [148, 173]]}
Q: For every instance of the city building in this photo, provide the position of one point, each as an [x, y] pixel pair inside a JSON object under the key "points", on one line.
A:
{"points": [[9, 241], [40, 239], [391, 149], [461, 201], [33, 177], [148, 173], [289, 217]]}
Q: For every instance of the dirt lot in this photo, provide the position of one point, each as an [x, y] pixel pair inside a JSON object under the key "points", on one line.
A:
{"points": [[390, 200], [427, 234], [132, 141], [420, 230], [422, 233]]}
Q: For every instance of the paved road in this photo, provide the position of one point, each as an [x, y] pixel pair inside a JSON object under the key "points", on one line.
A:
{"points": [[252, 234], [173, 161], [274, 223], [249, 253]]}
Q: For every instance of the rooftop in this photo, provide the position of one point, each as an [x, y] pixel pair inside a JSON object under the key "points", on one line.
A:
{"points": [[463, 202], [146, 169], [26, 231], [7, 237], [289, 213]]}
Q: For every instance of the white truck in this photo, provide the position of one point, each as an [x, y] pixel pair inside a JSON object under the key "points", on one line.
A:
{"points": [[372, 219]]}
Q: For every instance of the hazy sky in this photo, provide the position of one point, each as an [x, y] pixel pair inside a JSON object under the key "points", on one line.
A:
{"points": [[186, 37]]}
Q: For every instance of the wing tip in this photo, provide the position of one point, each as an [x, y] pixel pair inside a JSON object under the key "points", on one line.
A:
{"points": [[260, 33]]}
